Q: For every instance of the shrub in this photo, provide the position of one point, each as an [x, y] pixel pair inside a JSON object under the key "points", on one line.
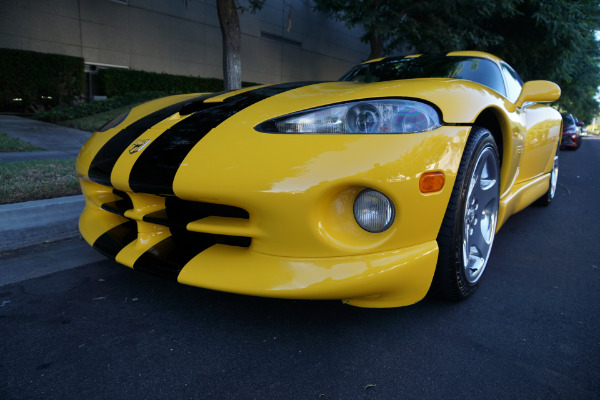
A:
{"points": [[121, 81], [38, 79]]}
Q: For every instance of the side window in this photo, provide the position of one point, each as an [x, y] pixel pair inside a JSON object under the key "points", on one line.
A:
{"points": [[514, 84]]}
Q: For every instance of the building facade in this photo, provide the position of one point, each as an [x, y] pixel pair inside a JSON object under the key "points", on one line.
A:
{"points": [[284, 41]]}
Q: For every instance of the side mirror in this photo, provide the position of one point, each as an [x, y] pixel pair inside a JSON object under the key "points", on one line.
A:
{"points": [[539, 92], [580, 123]]}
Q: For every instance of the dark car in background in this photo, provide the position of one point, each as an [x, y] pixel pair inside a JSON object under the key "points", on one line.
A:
{"points": [[571, 136]]}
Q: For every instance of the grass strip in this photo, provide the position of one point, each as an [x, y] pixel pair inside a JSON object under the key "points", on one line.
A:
{"points": [[11, 144], [37, 180], [92, 123]]}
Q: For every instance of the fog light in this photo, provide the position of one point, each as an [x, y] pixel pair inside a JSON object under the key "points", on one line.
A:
{"points": [[373, 211]]}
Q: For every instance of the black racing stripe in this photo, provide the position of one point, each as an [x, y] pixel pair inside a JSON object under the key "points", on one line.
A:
{"points": [[113, 241], [155, 169], [168, 257], [104, 161], [163, 259]]}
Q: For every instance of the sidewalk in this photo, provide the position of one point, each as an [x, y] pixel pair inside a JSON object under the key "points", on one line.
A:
{"points": [[34, 222]]}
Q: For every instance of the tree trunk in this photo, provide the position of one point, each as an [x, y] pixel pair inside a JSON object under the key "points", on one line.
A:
{"points": [[232, 37], [376, 45]]}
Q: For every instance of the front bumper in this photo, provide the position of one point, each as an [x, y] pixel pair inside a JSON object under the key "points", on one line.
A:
{"points": [[388, 279], [228, 263]]}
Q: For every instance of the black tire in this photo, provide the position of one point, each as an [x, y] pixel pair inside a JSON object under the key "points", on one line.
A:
{"points": [[546, 199], [468, 229]]}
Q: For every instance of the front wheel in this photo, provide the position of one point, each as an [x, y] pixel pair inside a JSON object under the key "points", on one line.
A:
{"points": [[469, 226]]}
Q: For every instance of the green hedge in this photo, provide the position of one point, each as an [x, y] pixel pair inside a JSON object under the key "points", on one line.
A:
{"points": [[41, 81], [115, 82], [96, 107], [38, 79]]}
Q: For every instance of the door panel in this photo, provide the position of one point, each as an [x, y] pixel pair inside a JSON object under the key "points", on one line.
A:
{"points": [[541, 139]]}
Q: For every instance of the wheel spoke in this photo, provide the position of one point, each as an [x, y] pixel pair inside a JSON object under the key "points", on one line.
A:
{"points": [[486, 179], [486, 200], [483, 187], [476, 261]]}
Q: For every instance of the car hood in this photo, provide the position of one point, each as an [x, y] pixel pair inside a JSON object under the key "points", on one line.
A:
{"points": [[458, 100], [153, 144]]}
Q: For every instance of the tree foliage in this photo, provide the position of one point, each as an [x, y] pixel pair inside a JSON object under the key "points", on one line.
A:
{"points": [[427, 25], [555, 40], [542, 39], [379, 18]]}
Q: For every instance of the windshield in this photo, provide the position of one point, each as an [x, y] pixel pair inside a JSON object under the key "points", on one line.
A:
{"points": [[474, 69]]}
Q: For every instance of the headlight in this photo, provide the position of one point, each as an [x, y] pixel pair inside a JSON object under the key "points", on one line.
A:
{"points": [[373, 211], [370, 116]]}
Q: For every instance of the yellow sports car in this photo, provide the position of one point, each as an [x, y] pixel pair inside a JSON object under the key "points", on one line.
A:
{"points": [[367, 189]]}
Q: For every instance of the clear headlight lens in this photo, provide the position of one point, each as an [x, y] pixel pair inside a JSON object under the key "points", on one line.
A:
{"points": [[373, 116], [373, 211]]}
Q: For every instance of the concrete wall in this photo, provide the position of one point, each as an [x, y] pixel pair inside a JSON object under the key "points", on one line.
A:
{"points": [[285, 41]]}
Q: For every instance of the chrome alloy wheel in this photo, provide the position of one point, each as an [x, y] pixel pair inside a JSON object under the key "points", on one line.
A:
{"points": [[554, 177], [481, 215]]}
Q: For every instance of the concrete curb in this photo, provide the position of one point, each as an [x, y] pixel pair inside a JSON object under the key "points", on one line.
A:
{"points": [[36, 155], [34, 222]]}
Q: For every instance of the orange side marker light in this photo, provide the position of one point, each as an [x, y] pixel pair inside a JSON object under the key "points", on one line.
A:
{"points": [[431, 182]]}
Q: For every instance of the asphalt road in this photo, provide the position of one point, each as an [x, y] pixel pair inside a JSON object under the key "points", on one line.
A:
{"points": [[532, 331]]}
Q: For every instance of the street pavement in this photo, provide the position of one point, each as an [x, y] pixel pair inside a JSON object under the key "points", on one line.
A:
{"points": [[76, 325], [105, 331], [58, 142], [34, 222]]}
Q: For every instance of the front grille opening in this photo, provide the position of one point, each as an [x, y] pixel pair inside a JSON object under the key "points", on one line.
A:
{"points": [[178, 213], [119, 206], [168, 257], [203, 241]]}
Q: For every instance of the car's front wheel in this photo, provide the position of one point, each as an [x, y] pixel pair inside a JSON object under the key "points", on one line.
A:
{"points": [[469, 226]]}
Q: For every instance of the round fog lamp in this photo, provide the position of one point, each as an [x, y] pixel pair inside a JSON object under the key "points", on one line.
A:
{"points": [[373, 211]]}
